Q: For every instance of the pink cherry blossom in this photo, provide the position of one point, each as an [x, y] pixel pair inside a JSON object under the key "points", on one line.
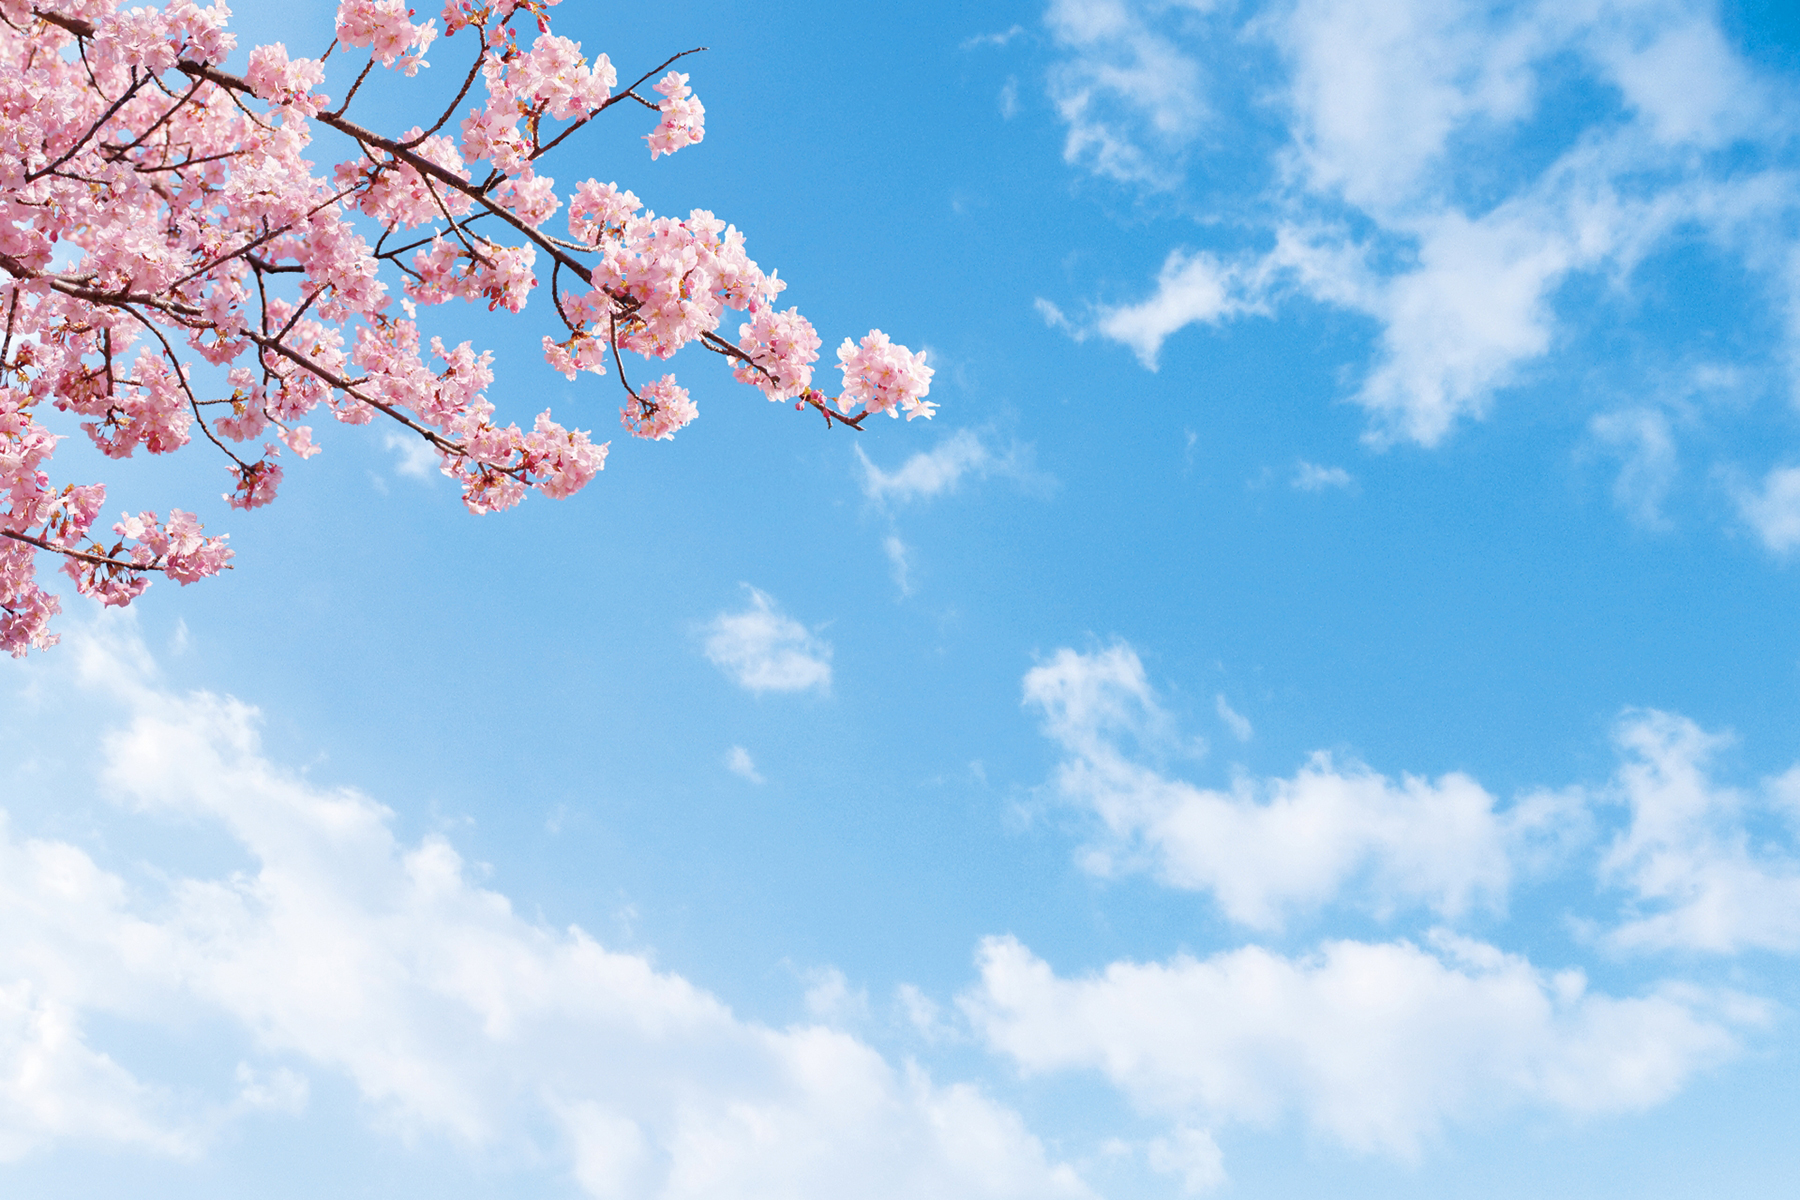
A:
{"points": [[780, 349], [658, 410], [883, 377], [684, 118], [175, 272]]}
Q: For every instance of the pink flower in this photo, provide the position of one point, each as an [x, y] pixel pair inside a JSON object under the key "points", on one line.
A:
{"points": [[256, 483], [784, 346], [207, 218], [683, 117], [884, 377], [600, 210], [383, 26], [563, 460], [283, 82], [658, 410]]}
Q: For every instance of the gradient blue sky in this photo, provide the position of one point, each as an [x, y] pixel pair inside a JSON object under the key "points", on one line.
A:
{"points": [[1313, 714]]}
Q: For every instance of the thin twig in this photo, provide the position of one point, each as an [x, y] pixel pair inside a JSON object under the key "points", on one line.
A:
{"points": [[628, 93], [468, 82]]}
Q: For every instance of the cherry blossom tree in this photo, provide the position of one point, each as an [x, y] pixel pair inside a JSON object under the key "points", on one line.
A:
{"points": [[175, 269]]}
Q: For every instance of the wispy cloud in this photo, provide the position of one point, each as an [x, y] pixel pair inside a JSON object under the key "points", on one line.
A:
{"points": [[1311, 477], [899, 561], [942, 469], [762, 649], [414, 457], [1334, 833], [1773, 510], [1193, 289], [1129, 93], [1057, 319], [992, 39], [1394, 115], [1645, 446], [739, 762], [1697, 879], [1234, 720]]}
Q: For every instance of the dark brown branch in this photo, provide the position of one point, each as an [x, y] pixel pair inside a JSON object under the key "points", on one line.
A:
{"points": [[98, 560], [620, 363], [188, 162], [12, 310], [268, 236], [393, 255]]}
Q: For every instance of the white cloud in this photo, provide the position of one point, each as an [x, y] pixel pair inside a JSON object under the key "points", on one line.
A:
{"points": [[992, 39], [1374, 1045], [1677, 70], [831, 999], [1311, 477], [1644, 443], [1774, 510], [739, 762], [1376, 90], [899, 561], [921, 1012], [1234, 720], [334, 949], [762, 649], [1697, 878], [1127, 91], [1268, 848], [1192, 1155], [1057, 319], [415, 458], [53, 1086], [941, 470], [1474, 310], [1395, 195], [1090, 701], [1191, 289]]}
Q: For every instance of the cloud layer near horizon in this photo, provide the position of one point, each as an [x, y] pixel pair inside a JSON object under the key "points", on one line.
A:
{"points": [[1374, 1044], [329, 948], [334, 948]]}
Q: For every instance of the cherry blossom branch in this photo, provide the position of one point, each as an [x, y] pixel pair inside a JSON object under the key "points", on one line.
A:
{"points": [[124, 300], [180, 202], [96, 127], [629, 92], [137, 141], [97, 560]]}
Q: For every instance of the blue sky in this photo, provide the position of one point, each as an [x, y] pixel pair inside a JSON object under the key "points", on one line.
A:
{"points": [[1315, 712]]}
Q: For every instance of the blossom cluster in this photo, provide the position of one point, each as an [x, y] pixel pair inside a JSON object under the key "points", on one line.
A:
{"points": [[36, 517], [174, 272], [658, 410], [683, 117], [883, 377], [779, 350], [386, 27]]}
